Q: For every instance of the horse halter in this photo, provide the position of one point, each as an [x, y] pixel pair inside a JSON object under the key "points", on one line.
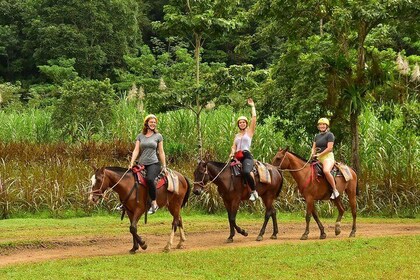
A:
{"points": [[201, 183], [101, 193]]}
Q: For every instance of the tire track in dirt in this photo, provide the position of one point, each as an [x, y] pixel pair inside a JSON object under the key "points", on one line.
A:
{"points": [[88, 246]]}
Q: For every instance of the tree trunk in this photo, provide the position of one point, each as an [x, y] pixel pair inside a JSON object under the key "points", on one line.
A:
{"points": [[360, 83], [197, 101], [354, 126]]}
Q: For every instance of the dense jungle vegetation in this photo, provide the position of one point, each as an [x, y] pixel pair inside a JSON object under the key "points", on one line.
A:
{"points": [[77, 78]]}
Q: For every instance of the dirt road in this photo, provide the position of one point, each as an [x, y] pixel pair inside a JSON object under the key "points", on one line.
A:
{"points": [[88, 246]]}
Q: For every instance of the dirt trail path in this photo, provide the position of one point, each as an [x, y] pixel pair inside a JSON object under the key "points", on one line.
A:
{"points": [[83, 246]]}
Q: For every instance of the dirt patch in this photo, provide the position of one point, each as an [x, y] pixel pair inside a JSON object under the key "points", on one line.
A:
{"points": [[82, 246]]}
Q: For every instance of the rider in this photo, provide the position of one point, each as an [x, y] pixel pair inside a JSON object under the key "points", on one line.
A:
{"points": [[149, 145], [241, 147], [322, 149]]}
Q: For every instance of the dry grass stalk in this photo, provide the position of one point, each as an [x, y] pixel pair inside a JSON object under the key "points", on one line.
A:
{"points": [[402, 65], [415, 76]]}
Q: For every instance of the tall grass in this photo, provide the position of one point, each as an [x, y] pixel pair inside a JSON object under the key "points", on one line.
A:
{"points": [[41, 173]]}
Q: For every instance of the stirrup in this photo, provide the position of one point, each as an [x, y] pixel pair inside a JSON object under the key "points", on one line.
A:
{"points": [[253, 196], [334, 195], [153, 209]]}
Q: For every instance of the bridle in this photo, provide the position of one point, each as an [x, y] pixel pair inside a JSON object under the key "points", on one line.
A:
{"points": [[103, 194], [292, 170], [206, 172]]}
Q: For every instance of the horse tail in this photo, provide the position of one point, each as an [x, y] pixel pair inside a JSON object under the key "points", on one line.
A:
{"points": [[187, 194], [357, 187], [281, 183]]}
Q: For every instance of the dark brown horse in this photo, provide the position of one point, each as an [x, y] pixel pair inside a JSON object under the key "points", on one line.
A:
{"points": [[313, 189], [232, 190], [135, 200]]}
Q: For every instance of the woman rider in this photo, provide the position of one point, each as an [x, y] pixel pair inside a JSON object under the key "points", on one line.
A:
{"points": [[322, 149], [149, 144], [242, 145]]}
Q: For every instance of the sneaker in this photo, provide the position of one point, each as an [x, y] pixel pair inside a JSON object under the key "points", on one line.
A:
{"points": [[253, 196], [335, 194], [153, 209]]}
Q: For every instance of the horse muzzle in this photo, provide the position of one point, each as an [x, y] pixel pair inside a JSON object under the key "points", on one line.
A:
{"points": [[197, 190]]}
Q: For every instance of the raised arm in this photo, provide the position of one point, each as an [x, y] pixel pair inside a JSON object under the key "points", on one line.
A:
{"points": [[253, 123]]}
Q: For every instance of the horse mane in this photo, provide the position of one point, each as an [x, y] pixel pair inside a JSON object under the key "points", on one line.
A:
{"points": [[218, 164], [117, 169], [298, 156]]}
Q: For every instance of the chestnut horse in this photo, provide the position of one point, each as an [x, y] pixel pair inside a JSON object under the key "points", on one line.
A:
{"points": [[313, 189], [134, 198], [233, 190]]}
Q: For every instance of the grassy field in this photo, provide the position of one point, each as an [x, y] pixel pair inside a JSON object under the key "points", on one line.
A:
{"points": [[358, 258]]}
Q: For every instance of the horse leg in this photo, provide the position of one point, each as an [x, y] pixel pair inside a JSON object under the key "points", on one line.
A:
{"points": [[275, 225], [171, 238], [233, 225], [352, 201], [309, 210], [136, 238], [339, 203], [182, 234], [268, 213], [320, 226]]}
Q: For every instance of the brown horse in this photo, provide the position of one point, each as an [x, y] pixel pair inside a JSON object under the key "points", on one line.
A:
{"points": [[232, 190], [314, 189], [134, 198]]}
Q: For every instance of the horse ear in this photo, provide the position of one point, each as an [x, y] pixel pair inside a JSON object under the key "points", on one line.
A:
{"points": [[287, 148]]}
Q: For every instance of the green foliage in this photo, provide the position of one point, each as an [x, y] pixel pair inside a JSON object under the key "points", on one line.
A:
{"points": [[60, 70], [84, 107], [9, 94]]}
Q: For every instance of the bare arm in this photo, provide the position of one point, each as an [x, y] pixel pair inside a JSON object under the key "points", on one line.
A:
{"points": [[253, 124], [162, 157], [233, 149], [135, 154], [313, 151]]}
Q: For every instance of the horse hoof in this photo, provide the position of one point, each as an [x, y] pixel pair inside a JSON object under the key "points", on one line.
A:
{"points": [[144, 246], [166, 249], [180, 246], [323, 236], [259, 238], [273, 237], [337, 231], [304, 237], [229, 240], [244, 233], [352, 234], [132, 251]]}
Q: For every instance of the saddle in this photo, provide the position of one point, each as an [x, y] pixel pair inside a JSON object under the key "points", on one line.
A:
{"points": [[339, 169], [169, 180], [260, 170]]}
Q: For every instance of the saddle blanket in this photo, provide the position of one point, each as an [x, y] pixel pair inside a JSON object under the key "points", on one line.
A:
{"points": [[345, 170], [263, 172], [170, 179]]}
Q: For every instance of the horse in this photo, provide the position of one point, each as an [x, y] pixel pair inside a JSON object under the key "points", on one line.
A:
{"points": [[233, 190], [134, 198], [313, 189]]}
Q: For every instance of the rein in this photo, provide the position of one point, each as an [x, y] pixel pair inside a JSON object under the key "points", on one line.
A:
{"points": [[104, 194], [201, 183]]}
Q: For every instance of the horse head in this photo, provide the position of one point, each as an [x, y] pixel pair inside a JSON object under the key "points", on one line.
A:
{"points": [[201, 177], [98, 186], [279, 159]]}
